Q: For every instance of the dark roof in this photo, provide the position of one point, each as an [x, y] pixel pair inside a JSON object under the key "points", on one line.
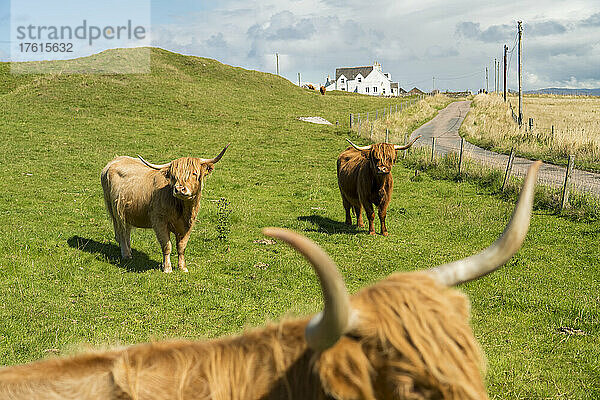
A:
{"points": [[351, 72], [415, 91], [394, 85], [400, 90]]}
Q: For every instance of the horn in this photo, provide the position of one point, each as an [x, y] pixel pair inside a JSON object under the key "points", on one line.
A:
{"points": [[398, 147], [155, 166], [217, 158], [325, 328], [502, 249], [359, 147]]}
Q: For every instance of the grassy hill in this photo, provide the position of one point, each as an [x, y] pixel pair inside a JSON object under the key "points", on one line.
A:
{"points": [[63, 285]]}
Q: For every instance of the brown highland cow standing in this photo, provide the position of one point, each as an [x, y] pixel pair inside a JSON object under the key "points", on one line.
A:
{"points": [[164, 197], [406, 337], [365, 178]]}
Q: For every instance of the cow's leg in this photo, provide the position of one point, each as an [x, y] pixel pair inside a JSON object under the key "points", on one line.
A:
{"points": [[163, 236], [359, 218], [122, 236], [347, 207], [370, 216], [382, 211], [126, 242], [181, 244]]}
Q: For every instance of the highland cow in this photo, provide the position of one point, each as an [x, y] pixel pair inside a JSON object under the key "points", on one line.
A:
{"points": [[163, 197], [365, 178], [405, 337]]}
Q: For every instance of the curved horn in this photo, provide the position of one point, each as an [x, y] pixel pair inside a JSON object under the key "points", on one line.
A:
{"points": [[217, 158], [398, 147], [325, 328], [359, 147], [155, 166], [502, 249]]}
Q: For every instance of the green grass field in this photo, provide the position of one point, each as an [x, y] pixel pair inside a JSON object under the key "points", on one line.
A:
{"points": [[64, 288]]}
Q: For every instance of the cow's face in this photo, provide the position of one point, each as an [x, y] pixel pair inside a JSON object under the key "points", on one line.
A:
{"points": [[186, 176], [382, 157], [410, 336]]}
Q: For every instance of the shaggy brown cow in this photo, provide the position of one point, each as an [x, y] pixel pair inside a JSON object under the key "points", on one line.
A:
{"points": [[163, 197], [322, 90], [406, 337], [365, 178]]}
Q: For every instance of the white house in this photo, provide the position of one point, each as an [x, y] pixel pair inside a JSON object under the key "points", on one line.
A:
{"points": [[369, 80]]}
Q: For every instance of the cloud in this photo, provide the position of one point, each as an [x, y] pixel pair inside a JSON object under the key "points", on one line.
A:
{"points": [[494, 33], [593, 20], [440, 52], [503, 32], [544, 28]]}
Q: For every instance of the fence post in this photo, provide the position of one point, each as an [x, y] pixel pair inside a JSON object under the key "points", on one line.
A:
{"points": [[460, 159], [387, 135], [432, 149], [359, 123], [511, 157], [376, 114], [396, 107], [350, 120], [565, 192], [383, 114], [530, 124], [367, 117], [371, 134]]}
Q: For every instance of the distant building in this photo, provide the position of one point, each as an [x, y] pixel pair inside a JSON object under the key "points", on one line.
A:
{"points": [[415, 91], [369, 80]]}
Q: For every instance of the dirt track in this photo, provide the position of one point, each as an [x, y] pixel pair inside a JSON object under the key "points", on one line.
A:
{"points": [[444, 127]]}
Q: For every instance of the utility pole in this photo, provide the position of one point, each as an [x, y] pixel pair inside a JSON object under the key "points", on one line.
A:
{"points": [[299, 79], [498, 75], [495, 77], [277, 60], [487, 87], [520, 74], [505, 50], [433, 85]]}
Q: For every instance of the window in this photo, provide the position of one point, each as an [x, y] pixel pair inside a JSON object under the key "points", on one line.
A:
{"points": [[359, 79], [374, 89], [367, 89], [342, 80], [383, 90], [343, 88]]}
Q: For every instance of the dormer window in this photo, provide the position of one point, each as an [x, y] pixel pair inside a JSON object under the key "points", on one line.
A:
{"points": [[342, 80], [359, 79]]}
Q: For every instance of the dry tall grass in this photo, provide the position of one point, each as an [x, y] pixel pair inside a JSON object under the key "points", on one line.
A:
{"points": [[576, 124], [402, 123]]}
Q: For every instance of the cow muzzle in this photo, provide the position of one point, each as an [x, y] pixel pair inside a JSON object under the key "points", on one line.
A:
{"points": [[182, 192], [382, 170]]}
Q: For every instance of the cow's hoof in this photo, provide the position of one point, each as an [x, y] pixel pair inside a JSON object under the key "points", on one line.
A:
{"points": [[372, 233], [360, 225], [384, 233], [167, 270], [183, 269]]}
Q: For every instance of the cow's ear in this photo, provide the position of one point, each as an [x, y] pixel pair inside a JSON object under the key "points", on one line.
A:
{"points": [[344, 370], [210, 167]]}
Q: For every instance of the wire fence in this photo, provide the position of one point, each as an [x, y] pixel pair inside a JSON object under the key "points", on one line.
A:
{"points": [[364, 120], [468, 156]]}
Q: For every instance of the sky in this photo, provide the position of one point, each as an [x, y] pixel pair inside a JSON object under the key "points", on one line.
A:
{"points": [[414, 40]]}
